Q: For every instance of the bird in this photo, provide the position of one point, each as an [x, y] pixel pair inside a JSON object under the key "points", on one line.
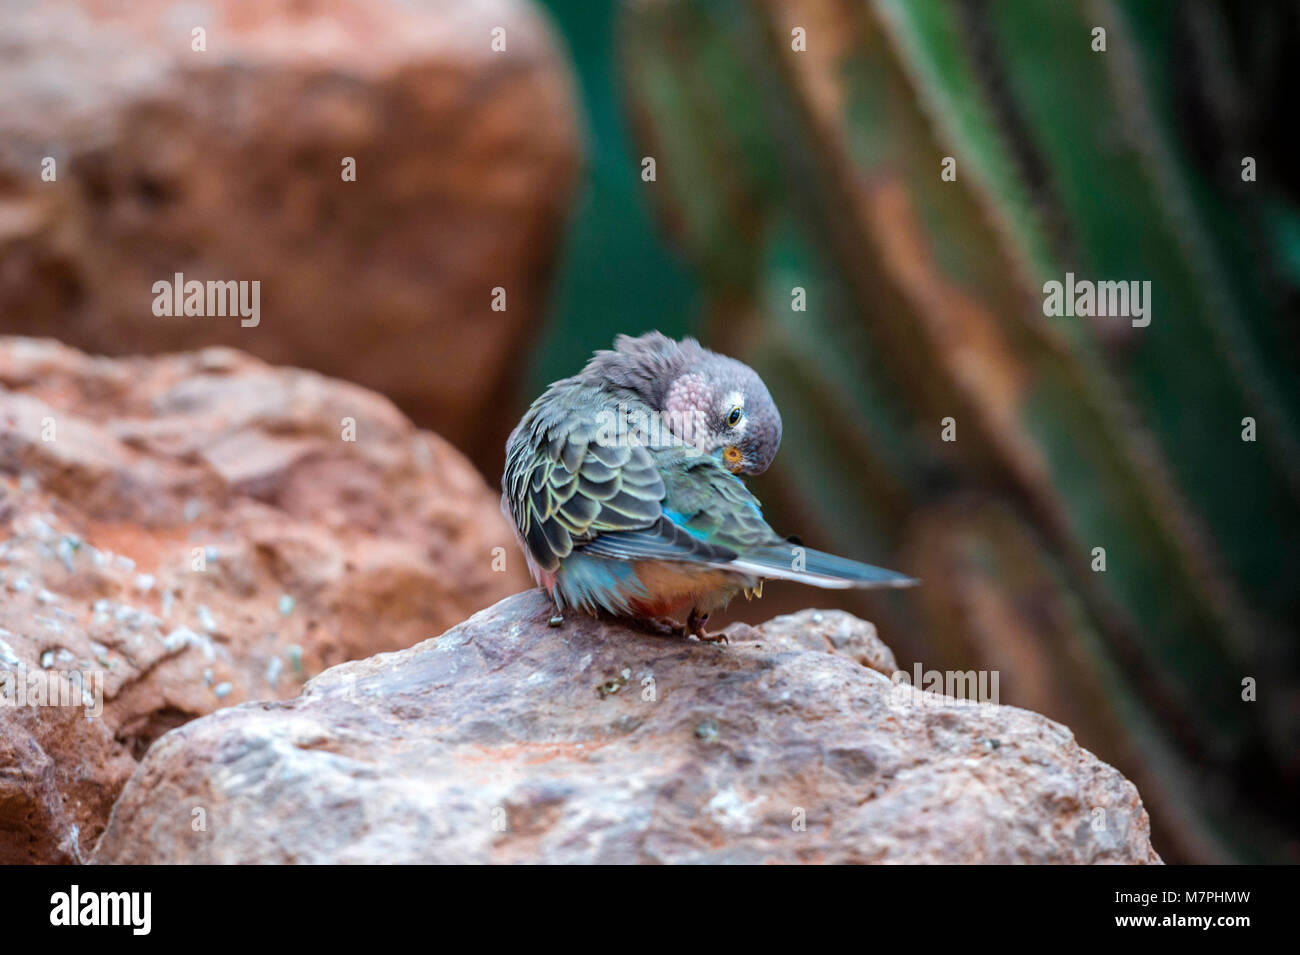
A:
{"points": [[624, 487]]}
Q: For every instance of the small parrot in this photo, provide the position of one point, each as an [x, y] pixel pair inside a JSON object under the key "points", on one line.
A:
{"points": [[623, 485]]}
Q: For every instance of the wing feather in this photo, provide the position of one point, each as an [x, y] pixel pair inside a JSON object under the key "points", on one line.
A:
{"points": [[564, 488], [568, 490]]}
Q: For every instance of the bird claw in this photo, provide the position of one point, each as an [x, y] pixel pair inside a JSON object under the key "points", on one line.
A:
{"points": [[664, 627], [695, 628]]}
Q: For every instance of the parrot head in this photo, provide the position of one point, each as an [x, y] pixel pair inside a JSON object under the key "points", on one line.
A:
{"points": [[716, 403]]}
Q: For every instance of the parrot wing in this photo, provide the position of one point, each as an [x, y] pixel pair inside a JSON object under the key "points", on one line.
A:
{"points": [[565, 487], [710, 517]]}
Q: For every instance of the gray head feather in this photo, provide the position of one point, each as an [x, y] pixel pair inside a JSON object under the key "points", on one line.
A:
{"points": [[684, 379]]}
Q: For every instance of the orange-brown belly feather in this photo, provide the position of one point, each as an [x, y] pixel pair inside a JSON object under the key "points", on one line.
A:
{"points": [[674, 588]]}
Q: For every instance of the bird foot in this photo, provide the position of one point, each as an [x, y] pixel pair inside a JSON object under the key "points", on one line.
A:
{"points": [[663, 626], [695, 627], [706, 637]]}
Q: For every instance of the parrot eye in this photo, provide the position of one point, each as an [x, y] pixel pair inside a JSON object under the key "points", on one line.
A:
{"points": [[733, 418]]}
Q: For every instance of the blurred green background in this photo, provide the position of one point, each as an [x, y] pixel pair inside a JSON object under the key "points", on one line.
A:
{"points": [[616, 272], [799, 144]]}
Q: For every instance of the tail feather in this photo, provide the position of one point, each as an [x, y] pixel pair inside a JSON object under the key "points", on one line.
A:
{"points": [[803, 564]]}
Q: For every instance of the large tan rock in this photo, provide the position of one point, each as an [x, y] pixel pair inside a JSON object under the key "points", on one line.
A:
{"points": [[225, 164], [505, 740], [188, 532]]}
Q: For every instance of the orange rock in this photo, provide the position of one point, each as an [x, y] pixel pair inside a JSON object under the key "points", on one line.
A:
{"points": [[195, 531], [226, 164]]}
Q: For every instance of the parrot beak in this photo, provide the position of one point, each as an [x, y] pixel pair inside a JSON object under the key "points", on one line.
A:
{"points": [[733, 459]]}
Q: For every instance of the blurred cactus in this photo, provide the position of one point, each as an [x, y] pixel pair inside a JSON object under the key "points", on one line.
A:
{"points": [[819, 168]]}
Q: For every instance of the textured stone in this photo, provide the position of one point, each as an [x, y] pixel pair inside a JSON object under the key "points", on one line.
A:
{"points": [[506, 740], [195, 531]]}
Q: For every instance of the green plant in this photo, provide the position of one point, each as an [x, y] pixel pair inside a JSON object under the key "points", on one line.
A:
{"points": [[820, 168]]}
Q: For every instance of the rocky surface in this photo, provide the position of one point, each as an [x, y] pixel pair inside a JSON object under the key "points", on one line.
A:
{"points": [[505, 740], [226, 164], [189, 532]]}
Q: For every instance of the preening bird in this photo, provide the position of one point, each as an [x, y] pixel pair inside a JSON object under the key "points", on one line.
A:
{"points": [[623, 484]]}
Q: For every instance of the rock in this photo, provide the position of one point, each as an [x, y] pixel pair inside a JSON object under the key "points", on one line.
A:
{"points": [[226, 165], [831, 631], [189, 532], [506, 740]]}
